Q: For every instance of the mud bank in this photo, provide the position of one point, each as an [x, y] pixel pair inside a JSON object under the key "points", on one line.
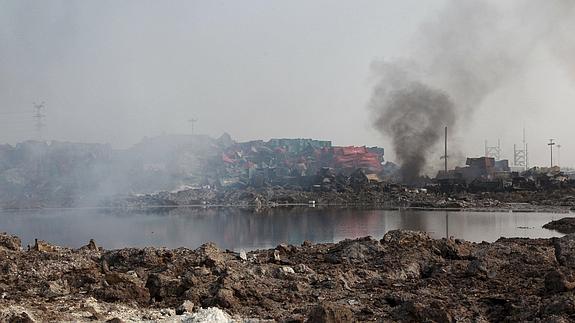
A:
{"points": [[564, 225], [405, 276]]}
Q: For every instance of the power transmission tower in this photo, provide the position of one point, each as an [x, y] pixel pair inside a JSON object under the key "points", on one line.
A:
{"points": [[493, 151], [39, 119], [520, 155]]}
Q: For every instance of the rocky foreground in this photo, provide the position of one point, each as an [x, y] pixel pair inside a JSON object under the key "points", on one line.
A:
{"points": [[405, 276]]}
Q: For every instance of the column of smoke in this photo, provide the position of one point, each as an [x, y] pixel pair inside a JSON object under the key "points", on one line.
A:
{"points": [[471, 49], [413, 116]]}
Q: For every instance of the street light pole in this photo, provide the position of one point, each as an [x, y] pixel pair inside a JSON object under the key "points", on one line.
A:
{"points": [[551, 144]]}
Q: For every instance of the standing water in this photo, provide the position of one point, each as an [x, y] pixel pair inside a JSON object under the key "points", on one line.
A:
{"points": [[236, 229]]}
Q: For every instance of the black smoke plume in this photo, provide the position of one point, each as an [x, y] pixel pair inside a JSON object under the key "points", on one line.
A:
{"points": [[471, 49], [414, 116]]}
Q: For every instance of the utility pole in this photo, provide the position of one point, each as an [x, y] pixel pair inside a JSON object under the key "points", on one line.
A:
{"points": [[193, 121], [445, 156], [526, 150], [445, 151], [39, 117], [559, 156], [551, 144], [526, 157]]}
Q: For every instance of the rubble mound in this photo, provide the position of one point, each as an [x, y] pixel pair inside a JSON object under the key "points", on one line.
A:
{"points": [[10, 242], [405, 276]]}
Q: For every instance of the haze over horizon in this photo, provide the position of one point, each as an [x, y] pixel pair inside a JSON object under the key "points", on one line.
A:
{"points": [[114, 72]]}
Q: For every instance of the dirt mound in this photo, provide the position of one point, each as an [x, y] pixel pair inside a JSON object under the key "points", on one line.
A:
{"points": [[405, 276]]}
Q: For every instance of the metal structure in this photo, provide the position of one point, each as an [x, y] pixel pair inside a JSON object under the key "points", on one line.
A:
{"points": [[520, 156], [493, 151], [551, 144], [39, 118]]}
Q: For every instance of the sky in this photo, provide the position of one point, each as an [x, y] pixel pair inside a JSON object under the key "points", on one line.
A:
{"points": [[116, 71]]}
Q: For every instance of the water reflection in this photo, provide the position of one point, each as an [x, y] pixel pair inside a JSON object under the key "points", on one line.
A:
{"points": [[235, 228]]}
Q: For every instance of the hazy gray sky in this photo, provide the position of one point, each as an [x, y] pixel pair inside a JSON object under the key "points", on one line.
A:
{"points": [[115, 71]]}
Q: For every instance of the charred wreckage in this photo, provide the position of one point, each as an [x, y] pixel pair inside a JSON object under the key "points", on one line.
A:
{"points": [[160, 170]]}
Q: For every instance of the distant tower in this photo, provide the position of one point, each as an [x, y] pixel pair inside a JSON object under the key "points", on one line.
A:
{"points": [[551, 144], [520, 155], [39, 119], [493, 151], [445, 156], [193, 121]]}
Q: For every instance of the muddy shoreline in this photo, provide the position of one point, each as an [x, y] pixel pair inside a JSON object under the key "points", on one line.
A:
{"points": [[403, 276], [374, 195]]}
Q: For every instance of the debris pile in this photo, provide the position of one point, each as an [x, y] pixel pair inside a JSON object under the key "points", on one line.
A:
{"points": [[59, 174], [406, 276], [485, 174], [294, 162], [174, 170], [372, 194]]}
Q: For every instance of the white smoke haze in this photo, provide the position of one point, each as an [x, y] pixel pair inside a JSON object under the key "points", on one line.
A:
{"points": [[466, 53], [562, 43], [115, 72]]}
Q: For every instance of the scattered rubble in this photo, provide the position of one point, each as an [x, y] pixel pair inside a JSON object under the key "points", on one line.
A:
{"points": [[406, 276], [380, 195], [485, 174], [173, 170], [59, 174], [10, 242]]}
